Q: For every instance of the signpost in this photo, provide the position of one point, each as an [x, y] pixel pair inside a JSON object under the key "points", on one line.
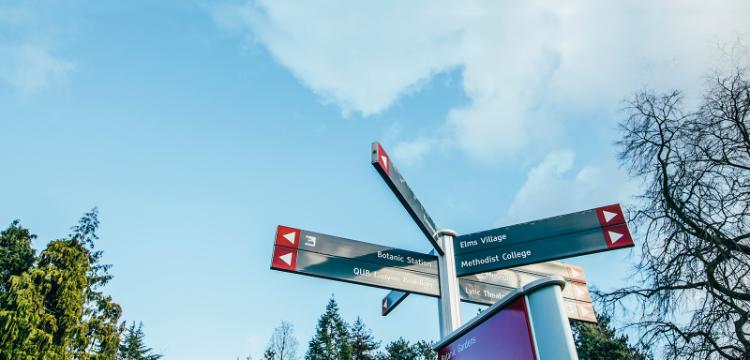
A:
{"points": [[529, 315]]}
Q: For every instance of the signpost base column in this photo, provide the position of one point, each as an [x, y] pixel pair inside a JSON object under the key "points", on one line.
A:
{"points": [[550, 324], [449, 302]]}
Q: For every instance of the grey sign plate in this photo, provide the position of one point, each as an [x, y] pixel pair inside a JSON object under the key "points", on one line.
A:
{"points": [[355, 250], [353, 271], [383, 164], [539, 229]]}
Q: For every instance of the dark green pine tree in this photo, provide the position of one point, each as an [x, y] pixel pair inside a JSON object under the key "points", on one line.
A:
{"points": [[133, 346], [331, 339], [52, 305], [16, 254], [399, 350], [363, 343], [600, 341], [424, 350]]}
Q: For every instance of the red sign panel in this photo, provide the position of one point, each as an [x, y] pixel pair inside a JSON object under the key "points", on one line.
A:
{"points": [[504, 336], [286, 236], [284, 258], [618, 236], [610, 215]]}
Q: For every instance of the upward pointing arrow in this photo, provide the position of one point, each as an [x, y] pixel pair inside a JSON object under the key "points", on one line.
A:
{"points": [[385, 161], [614, 236], [608, 216]]}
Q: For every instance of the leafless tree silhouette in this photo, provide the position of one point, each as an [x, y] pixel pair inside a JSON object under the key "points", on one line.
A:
{"points": [[694, 293]]}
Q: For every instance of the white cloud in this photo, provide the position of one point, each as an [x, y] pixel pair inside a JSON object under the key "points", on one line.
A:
{"points": [[30, 67], [523, 63], [411, 152], [555, 187], [27, 59], [361, 57]]}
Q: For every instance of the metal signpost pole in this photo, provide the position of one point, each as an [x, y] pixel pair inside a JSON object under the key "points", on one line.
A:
{"points": [[552, 334], [449, 302]]}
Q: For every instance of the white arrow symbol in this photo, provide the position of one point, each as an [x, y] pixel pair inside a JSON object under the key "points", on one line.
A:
{"points": [[291, 236], [608, 216], [385, 161], [614, 236], [286, 258]]}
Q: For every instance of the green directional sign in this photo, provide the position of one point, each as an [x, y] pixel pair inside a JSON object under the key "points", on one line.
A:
{"points": [[551, 248], [539, 229], [383, 164]]}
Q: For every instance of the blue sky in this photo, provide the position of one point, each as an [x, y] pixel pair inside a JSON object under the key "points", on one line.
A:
{"points": [[198, 127]]}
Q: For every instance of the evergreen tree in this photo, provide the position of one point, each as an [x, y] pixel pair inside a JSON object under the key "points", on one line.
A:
{"points": [[424, 350], [52, 306], [133, 347], [399, 350], [43, 307], [363, 343], [331, 339], [600, 341], [16, 254]]}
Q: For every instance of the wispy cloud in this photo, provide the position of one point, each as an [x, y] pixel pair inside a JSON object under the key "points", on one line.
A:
{"points": [[523, 63], [28, 62], [555, 186]]}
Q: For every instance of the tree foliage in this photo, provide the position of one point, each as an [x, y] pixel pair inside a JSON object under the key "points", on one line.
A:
{"points": [[133, 345], [364, 346], [331, 339], [16, 254], [600, 341], [401, 349], [52, 305], [694, 297]]}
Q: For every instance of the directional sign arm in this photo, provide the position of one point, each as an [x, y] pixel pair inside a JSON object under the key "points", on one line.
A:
{"points": [[383, 164], [569, 245], [392, 300]]}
